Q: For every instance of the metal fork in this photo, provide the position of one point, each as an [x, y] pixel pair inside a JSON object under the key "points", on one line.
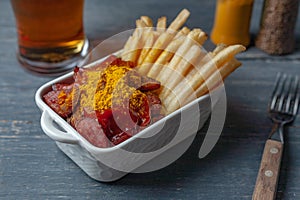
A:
{"points": [[283, 109]]}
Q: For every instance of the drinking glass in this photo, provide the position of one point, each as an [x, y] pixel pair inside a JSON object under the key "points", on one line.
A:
{"points": [[51, 37]]}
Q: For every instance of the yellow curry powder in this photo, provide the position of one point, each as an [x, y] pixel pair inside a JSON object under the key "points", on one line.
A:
{"points": [[65, 100], [106, 87], [61, 97]]}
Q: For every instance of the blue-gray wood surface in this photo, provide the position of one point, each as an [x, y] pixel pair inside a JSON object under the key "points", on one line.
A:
{"points": [[32, 167]]}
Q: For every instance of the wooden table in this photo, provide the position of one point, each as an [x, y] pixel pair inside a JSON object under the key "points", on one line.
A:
{"points": [[32, 167]]}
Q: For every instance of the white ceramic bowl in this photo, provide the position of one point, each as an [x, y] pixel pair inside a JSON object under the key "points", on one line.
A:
{"points": [[153, 148]]}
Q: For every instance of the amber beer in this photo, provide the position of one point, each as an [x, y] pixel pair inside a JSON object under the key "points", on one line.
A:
{"points": [[50, 34]]}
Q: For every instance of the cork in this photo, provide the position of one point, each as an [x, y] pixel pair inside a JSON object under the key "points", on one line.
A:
{"points": [[276, 35]]}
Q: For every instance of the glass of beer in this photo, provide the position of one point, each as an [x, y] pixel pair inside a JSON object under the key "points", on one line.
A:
{"points": [[51, 37]]}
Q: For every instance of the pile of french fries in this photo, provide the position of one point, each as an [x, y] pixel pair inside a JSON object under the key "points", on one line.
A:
{"points": [[174, 56]]}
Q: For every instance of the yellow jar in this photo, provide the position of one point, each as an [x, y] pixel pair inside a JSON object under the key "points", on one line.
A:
{"points": [[232, 22]]}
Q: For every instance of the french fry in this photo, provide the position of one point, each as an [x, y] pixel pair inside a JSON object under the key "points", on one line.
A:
{"points": [[227, 54], [202, 61], [217, 61], [207, 58], [173, 100], [168, 53], [186, 64], [130, 50], [140, 24], [159, 45], [203, 74], [161, 24], [165, 57], [202, 37], [184, 31], [162, 41], [132, 53], [182, 50], [177, 59], [147, 20], [149, 38], [214, 80], [126, 48], [219, 48], [179, 20]]}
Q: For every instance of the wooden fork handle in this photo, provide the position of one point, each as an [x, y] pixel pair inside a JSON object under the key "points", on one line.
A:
{"points": [[267, 178]]}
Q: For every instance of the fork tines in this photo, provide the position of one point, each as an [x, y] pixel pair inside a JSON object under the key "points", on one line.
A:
{"points": [[286, 95]]}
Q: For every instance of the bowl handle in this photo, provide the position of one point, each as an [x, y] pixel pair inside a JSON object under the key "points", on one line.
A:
{"points": [[53, 132]]}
